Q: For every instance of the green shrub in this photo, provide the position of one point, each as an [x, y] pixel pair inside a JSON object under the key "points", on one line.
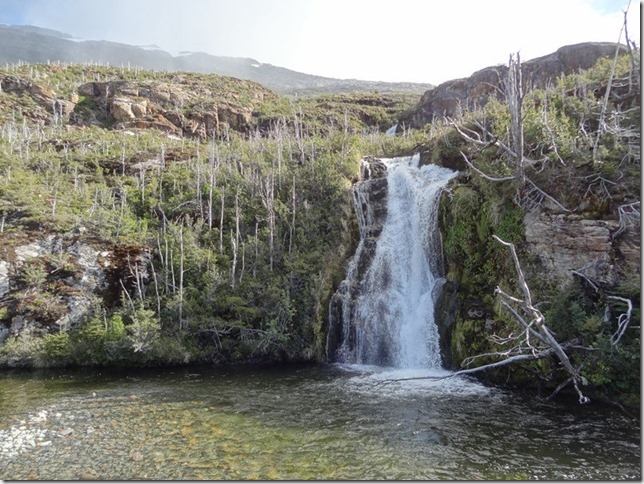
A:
{"points": [[57, 348]]}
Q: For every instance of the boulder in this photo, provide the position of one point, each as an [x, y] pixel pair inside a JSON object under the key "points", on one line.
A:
{"points": [[43, 96], [63, 107], [121, 109]]}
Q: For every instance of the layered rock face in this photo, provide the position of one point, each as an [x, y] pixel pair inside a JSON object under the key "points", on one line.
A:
{"points": [[459, 95], [370, 203], [565, 243]]}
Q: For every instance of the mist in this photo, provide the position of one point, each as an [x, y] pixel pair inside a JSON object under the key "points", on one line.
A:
{"points": [[406, 40]]}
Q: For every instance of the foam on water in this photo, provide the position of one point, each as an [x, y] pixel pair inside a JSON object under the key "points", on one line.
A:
{"points": [[405, 382]]}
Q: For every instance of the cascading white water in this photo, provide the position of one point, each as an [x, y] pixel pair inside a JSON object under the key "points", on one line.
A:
{"points": [[388, 316]]}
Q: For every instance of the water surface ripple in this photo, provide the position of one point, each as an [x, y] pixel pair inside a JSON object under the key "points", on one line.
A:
{"points": [[296, 423]]}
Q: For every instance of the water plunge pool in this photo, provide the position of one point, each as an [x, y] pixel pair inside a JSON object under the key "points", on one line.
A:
{"points": [[304, 422]]}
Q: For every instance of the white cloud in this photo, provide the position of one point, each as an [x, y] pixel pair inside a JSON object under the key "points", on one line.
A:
{"points": [[395, 40]]}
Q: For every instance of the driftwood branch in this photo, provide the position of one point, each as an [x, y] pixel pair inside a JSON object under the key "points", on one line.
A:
{"points": [[469, 371]]}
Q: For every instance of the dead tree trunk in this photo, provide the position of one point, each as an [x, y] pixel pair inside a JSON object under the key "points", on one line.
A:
{"points": [[514, 94]]}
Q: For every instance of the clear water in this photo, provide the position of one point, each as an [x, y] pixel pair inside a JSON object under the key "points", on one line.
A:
{"points": [[297, 423]]}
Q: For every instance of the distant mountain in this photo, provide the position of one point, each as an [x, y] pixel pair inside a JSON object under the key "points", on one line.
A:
{"points": [[32, 44]]}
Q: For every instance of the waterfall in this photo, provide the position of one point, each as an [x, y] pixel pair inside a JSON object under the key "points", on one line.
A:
{"points": [[386, 303]]}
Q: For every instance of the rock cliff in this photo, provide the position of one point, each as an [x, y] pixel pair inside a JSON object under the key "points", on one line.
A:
{"points": [[370, 204], [459, 95], [564, 243]]}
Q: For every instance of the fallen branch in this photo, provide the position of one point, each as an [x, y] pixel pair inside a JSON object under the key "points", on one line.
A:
{"points": [[537, 317], [469, 371], [552, 199]]}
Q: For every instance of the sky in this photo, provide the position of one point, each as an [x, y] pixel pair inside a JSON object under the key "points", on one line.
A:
{"points": [[429, 41]]}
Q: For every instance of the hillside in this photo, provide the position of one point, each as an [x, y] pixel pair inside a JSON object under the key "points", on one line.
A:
{"points": [[35, 45], [155, 218]]}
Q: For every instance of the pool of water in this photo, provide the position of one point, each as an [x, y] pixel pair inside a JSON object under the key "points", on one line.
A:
{"points": [[296, 423]]}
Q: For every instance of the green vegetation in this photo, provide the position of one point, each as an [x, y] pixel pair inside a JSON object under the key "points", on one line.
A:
{"points": [[578, 169], [222, 215], [220, 248]]}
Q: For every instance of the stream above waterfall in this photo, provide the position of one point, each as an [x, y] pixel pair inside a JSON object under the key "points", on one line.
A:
{"points": [[298, 422]]}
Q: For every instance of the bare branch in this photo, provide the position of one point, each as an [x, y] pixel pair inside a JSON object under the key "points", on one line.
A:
{"points": [[553, 200], [523, 285], [469, 371], [623, 321], [487, 177], [628, 215]]}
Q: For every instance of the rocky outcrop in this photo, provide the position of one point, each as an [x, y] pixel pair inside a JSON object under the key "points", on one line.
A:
{"points": [[565, 243], [180, 109], [50, 283], [459, 95], [45, 98], [370, 204]]}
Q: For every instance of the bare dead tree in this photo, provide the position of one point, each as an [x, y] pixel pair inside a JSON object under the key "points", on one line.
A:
{"points": [[515, 149], [221, 223], [156, 290], [267, 196], [514, 95], [181, 272], [533, 341], [292, 228], [234, 241], [233, 265], [299, 131]]}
